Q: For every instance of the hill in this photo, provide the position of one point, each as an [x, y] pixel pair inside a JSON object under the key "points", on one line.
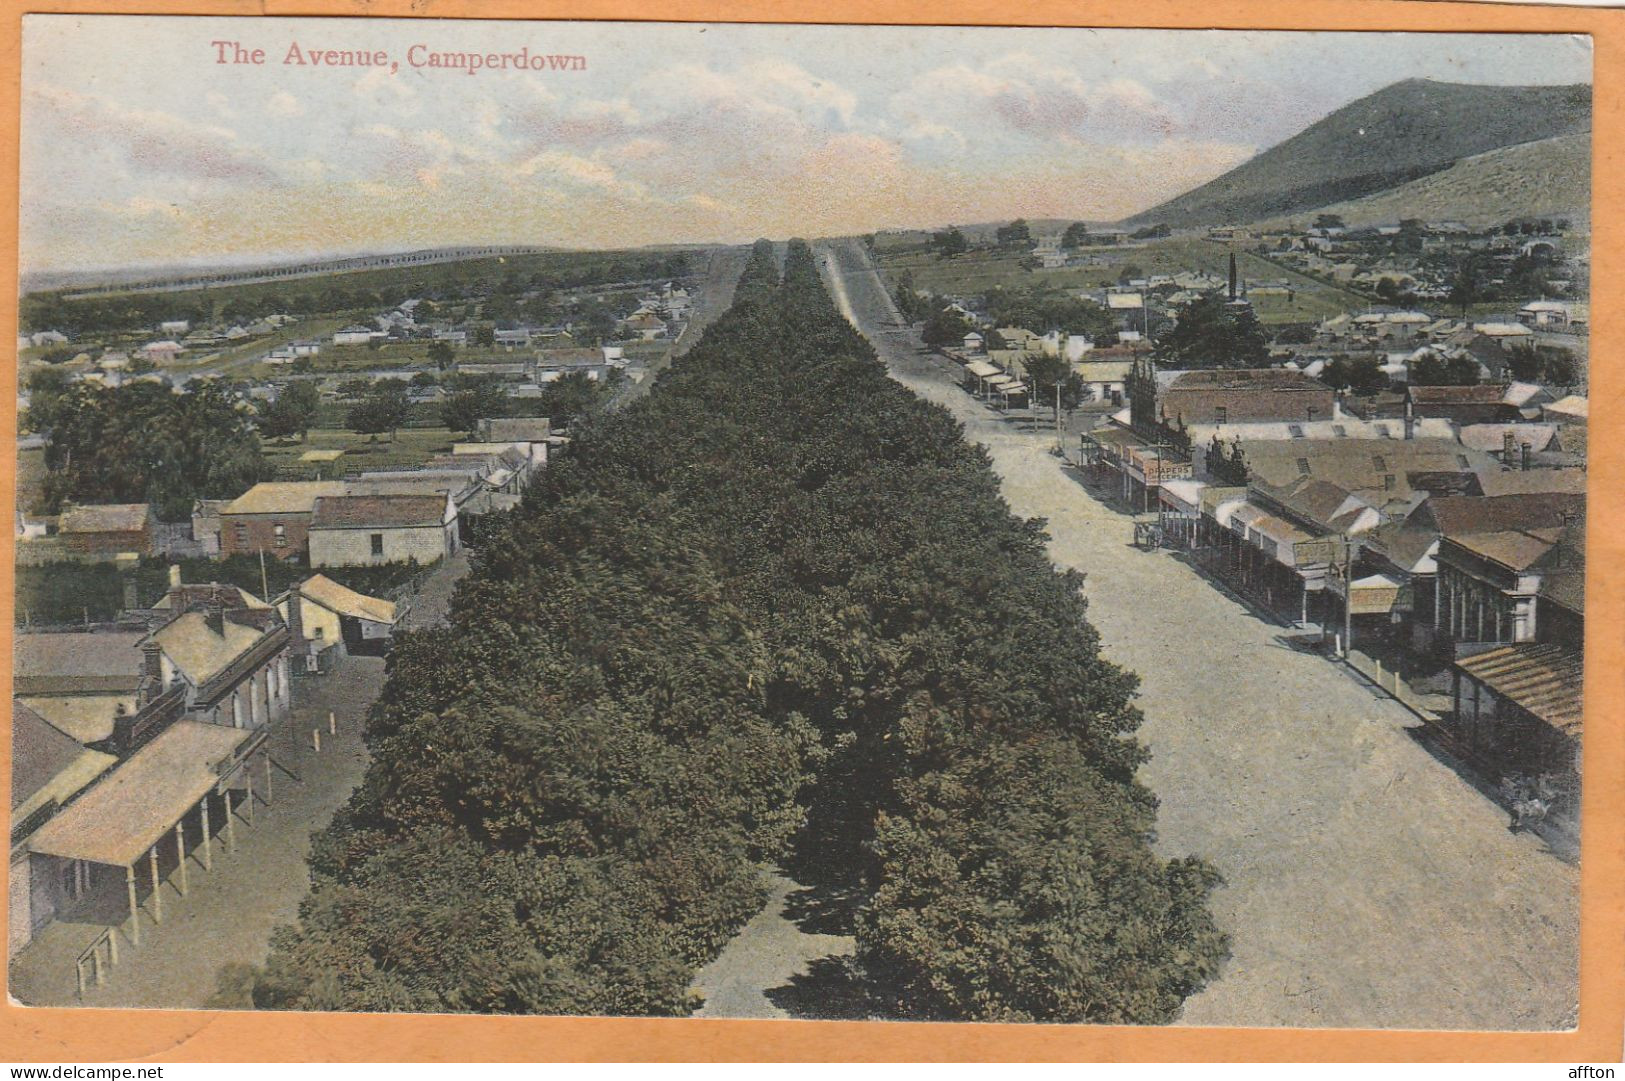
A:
{"points": [[1388, 139], [1545, 178]]}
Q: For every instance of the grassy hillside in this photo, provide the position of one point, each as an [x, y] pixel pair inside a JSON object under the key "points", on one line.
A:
{"points": [[1546, 178], [1397, 135]]}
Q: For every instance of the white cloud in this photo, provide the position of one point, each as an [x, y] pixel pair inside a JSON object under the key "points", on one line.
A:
{"points": [[285, 105]]}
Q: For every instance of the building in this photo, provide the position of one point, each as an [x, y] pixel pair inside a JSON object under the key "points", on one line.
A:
{"points": [[1482, 403], [530, 435], [361, 530], [356, 335], [1231, 395], [104, 530], [1103, 380], [176, 753], [327, 621], [80, 681], [1556, 316], [228, 650], [49, 768], [272, 517], [1518, 680]]}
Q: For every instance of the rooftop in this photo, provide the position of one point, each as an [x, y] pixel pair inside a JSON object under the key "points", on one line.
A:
{"points": [[346, 602], [378, 511], [1545, 680], [104, 518], [118, 820], [1246, 379], [283, 497]]}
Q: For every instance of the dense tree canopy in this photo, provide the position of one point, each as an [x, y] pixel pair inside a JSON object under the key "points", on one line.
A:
{"points": [[142, 443], [775, 608], [1433, 370], [1210, 333]]}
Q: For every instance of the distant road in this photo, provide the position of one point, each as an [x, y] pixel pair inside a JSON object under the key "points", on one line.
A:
{"points": [[1367, 883]]}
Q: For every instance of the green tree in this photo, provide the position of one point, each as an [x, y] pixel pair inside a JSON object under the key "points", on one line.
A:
{"points": [[477, 400], [1433, 370], [1015, 235], [485, 335], [440, 353], [1469, 282], [1049, 372], [945, 326], [1076, 235], [384, 409], [1361, 375], [949, 243], [1209, 333]]}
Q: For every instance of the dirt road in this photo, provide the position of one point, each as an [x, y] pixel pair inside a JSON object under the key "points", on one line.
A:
{"points": [[1367, 883]]}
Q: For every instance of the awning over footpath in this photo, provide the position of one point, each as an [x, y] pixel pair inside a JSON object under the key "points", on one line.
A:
{"points": [[1543, 679], [1376, 594], [982, 369], [1183, 495], [118, 820]]}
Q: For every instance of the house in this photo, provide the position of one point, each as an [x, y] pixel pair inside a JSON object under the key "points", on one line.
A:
{"points": [[49, 768], [1103, 380], [158, 352], [645, 327], [175, 327], [973, 342], [327, 621], [104, 530], [1574, 410], [228, 650], [272, 517], [554, 364], [356, 335], [361, 530], [1556, 316], [79, 681]]}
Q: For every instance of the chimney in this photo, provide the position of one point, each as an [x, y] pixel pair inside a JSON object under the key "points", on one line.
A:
{"points": [[1526, 460], [215, 615], [152, 668], [1410, 418], [1509, 449], [296, 620], [132, 596], [174, 576]]}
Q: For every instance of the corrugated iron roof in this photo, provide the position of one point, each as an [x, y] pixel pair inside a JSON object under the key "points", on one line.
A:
{"points": [[1544, 679]]}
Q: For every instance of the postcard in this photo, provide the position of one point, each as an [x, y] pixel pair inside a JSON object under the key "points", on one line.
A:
{"points": [[1044, 525]]}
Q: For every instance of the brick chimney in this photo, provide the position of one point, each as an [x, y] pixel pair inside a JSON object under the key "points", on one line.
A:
{"points": [[215, 615], [1410, 418], [1509, 449], [296, 621], [152, 669], [1526, 460]]}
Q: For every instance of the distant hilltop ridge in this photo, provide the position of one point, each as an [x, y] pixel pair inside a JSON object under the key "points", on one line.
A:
{"points": [[1395, 136], [91, 283]]}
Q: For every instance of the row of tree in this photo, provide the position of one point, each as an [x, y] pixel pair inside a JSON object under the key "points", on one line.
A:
{"points": [[775, 610]]}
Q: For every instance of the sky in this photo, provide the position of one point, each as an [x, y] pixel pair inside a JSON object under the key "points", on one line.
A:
{"points": [[140, 148]]}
